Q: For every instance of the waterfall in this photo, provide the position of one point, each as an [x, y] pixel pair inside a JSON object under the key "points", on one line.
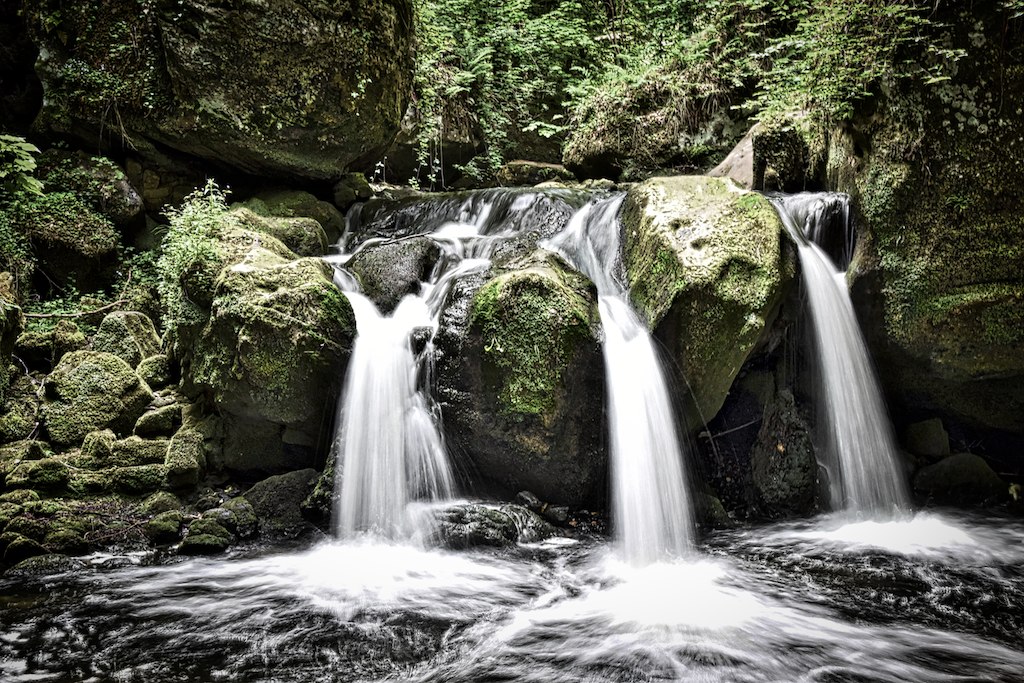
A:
{"points": [[651, 509], [389, 444], [861, 457]]}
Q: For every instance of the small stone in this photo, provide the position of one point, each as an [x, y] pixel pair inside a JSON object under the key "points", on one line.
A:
{"points": [[160, 422], [161, 501], [165, 528], [927, 438], [155, 371]]}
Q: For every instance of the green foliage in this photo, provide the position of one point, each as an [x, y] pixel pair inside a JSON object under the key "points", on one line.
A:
{"points": [[17, 161], [189, 253]]}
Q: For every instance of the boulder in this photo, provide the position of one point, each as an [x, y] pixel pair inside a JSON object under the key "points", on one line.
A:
{"points": [[958, 479], [784, 469], [96, 180], [205, 537], [706, 268], [165, 527], [927, 438], [129, 335], [155, 371], [265, 87], [276, 501], [471, 525], [163, 421], [519, 172], [303, 236], [351, 188], [297, 203], [11, 323], [521, 380], [89, 391], [389, 271], [20, 409], [185, 459], [43, 349]]}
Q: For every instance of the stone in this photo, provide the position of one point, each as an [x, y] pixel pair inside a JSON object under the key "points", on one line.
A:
{"points": [[962, 478], [303, 236], [20, 411], [784, 469], [161, 501], [45, 565], [140, 479], [135, 451], [205, 537], [521, 380], [472, 525], [297, 203], [711, 512], [160, 422], [516, 173], [927, 438], [90, 391], [352, 187], [155, 371], [185, 459], [389, 271], [47, 474], [276, 501], [17, 548], [97, 180], [99, 446], [706, 269], [269, 88], [129, 335], [246, 524]]}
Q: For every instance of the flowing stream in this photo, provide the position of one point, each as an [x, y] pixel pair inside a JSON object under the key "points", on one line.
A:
{"points": [[651, 508], [862, 460]]}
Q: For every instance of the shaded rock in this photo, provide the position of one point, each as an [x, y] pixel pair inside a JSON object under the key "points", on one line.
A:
{"points": [[20, 496], [269, 88], [706, 268], [389, 271], [205, 537], [351, 188], [17, 548], [96, 180], [43, 349], [277, 500], [47, 474], [165, 528], [927, 438], [138, 479], [296, 203], [960, 478], [475, 524], [186, 459], [711, 512], [556, 514], [516, 173], [160, 422], [21, 409], [784, 469], [521, 380], [155, 371], [89, 391], [99, 446], [318, 505], [246, 524], [135, 451], [129, 335]]}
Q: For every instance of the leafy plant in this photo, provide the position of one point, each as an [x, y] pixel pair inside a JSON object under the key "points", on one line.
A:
{"points": [[17, 162]]}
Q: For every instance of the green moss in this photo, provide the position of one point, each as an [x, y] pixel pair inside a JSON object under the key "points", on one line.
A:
{"points": [[532, 323], [165, 528], [139, 479], [185, 459]]}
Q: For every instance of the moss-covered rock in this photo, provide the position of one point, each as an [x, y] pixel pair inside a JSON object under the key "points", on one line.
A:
{"points": [[300, 204], [17, 548], [938, 278], [161, 501], [389, 271], [323, 85], [165, 527], [522, 381], [134, 451], [516, 173], [962, 478], [89, 391], [276, 501], [11, 323], [163, 421], [155, 371], [96, 180], [139, 479], [42, 349], [48, 474], [304, 236], [186, 459], [20, 411], [707, 270], [243, 520], [14, 454], [129, 335]]}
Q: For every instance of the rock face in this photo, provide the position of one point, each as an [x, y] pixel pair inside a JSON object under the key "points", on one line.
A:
{"points": [[939, 279], [706, 267], [782, 460], [89, 391], [266, 87], [387, 272], [522, 381]]}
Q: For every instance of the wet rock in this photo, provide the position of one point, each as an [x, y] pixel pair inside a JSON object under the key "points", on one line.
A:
{"points": [[521, 380], [475, 524], [17, 548], [155, 371], [45, 565], [165, 527], [927, 438], [962, 478], [244, 520], [784, 469], [264, 89], [89, 391], [389, 271], [711, 512], [276, 501], [161, 501], [556, 514], [160, 422], [205, 537], [129, 335], [351, 188], [706, 269], [318, 505]]}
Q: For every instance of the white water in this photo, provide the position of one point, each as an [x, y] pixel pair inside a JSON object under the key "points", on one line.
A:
{"points": [[862, 459], [390, 447], [651, 507]]}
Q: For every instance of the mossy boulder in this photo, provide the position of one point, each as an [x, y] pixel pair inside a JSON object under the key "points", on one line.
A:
{"points": [[11, 323], [162, 421], [42, 349], [389, 271], [165, 527], [17, 548], [89, 391], [185, 458], [20, 411], [472, 525], [129, 335], [155, 371], [48, 474], [269, 88], [96, 180], [516, 173], [962, 478], [938, 279], [303, 236], [139, 479], [706, 268], [277, 502], [521, 380], [205, 537], [297, 203]]}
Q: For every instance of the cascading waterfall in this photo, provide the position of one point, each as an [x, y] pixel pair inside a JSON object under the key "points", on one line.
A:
{"points": [[865, 476], [650, 497], [390, 448]]}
